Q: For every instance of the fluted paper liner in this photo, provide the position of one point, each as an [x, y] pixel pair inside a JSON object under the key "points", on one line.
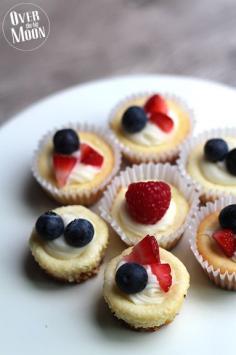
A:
{"points": [[150, 171], [223, 280], [206, 194], [169, 155], [87, 196]]}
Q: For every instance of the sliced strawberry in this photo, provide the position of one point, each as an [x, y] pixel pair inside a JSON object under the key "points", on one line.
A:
{"points": [[63, 164], [146, 252], [156, 103], [163, 275], [90, 156], [164, 122], [226, 241]]}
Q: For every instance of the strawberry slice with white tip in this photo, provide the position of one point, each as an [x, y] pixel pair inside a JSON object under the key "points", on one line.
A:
{"points": [[163, 275], [90, 156], [164, 122], [146, 252], [63, 165]]}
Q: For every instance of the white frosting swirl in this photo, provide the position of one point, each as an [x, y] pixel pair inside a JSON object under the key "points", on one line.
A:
{"points": [[139, 229], [217, 172], [59, 248], [82, 173], [152, 294], [152, 134]]}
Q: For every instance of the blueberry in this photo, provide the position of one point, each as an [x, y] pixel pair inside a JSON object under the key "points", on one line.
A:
{"points": [[131, 278], [215, 149], [79, 232], [66, 141], [230, 161], [134, 119], [227, 217], [49, 226]]}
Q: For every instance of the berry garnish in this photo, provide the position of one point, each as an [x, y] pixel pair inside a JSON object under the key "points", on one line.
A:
{"points": [[134, 119], [231, 161], [66, 141], [163, 275], [49, 226], [147, 202], [161, 120], [226, 241], [215, 149], [79, 232], [146, 252], [63, 165], [90, 156], [156, 104], [131, 278], [227, 217]]}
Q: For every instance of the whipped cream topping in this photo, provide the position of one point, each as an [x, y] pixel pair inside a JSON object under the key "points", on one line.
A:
{"points": [[217, 172], [138, 229], [152, 134], [59, 249], [82, 173], [152, 294]]}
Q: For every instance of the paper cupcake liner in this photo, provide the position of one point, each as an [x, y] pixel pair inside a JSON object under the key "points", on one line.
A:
{"points": [[87, 196], [206, 195], [223, 280], [150, 171], [169, 155]]}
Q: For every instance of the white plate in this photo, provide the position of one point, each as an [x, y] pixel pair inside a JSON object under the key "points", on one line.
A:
{"points": [[39, 316]]}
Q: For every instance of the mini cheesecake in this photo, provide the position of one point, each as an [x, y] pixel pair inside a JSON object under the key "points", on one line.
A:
{"points": [[145, 286], [151, 128], [209, 162], [149, 198], [73, 165], [69, 243], [216, 239]]}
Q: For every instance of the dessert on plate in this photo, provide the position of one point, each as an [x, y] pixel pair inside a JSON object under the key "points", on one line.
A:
{"points": [[209, 162], [149, 198], [213, 240], [74, 165], [69, 243], [145, 286], [151, 127]]}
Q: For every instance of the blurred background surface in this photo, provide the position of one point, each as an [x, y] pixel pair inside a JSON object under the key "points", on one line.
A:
{"points": [[91, 39]]}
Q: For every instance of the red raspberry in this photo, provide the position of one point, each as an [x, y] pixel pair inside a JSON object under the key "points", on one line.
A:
{"points": [[156, 103], [147, 202]]}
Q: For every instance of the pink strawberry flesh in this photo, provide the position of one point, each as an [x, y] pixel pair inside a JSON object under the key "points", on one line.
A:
{"points": [[163, 275], [63, 165], [226, 241], [164, 122], [146, 252], [90, 156]]}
